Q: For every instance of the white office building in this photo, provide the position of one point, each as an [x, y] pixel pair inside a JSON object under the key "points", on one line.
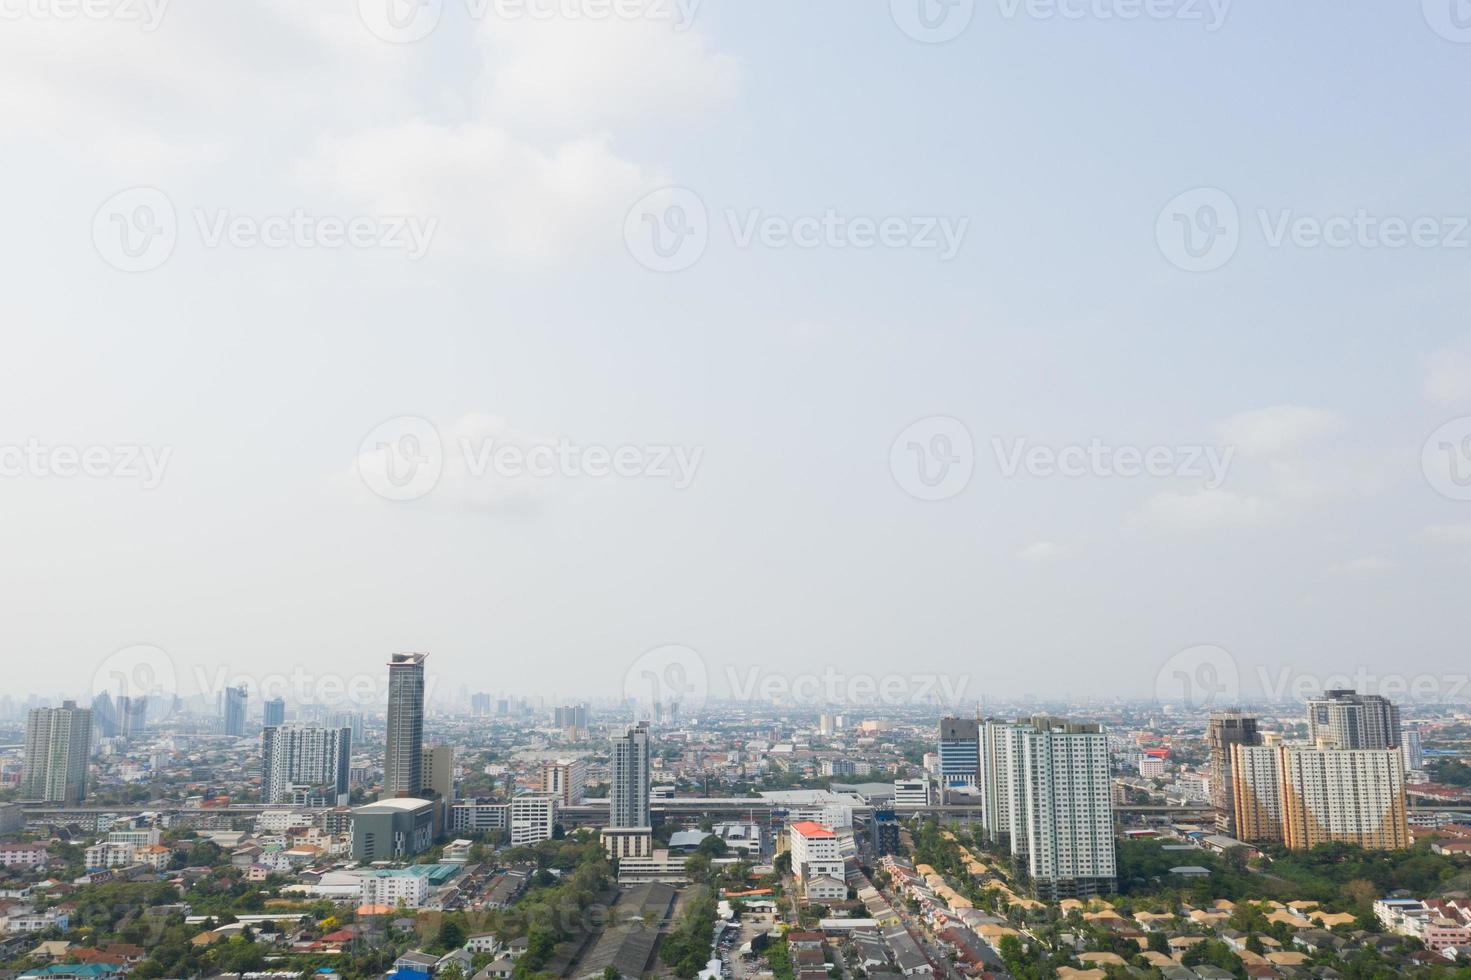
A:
{"points": [[533, 819], [911, 794], [816, 853], [393, 888], [565, 779]]}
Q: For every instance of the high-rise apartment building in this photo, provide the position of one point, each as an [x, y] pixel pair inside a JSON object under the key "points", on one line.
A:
{"points": [[232, 711], [629, 797], [959, 752], [1319, 794], [58, 742], [403, 752], [1226, 729], [1414, 749], [120, 717], [1348, 720], [348, 719], [1051, 781], [564, 779], [132, 714], [572, 717], [274, 713], [438, 772], [1256, 796], [314, 761]]}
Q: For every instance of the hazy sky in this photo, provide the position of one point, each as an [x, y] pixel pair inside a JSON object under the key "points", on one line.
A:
{"points": [[993, 260]]}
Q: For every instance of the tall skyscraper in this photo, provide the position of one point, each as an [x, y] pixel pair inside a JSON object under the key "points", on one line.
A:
{"points": [[58, 742], [1227, 728], [316, 761], [629, 798], [403, 752], [232, 711], [1349, 720], [1304, 796], [274, 713], [1053, 803], [959, 752]]}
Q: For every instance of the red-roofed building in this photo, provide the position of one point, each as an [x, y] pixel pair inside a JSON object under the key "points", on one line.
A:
{"points": [[811, 830], [815, 852]]}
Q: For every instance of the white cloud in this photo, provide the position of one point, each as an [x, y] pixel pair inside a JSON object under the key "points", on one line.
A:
{"points": [[1449, 534], [1276, 430], [1042, 551], [589, 76], [1362, 566], [1448, 375], [531, 172], [167, 99], [485, 187], [1207, 510]]}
